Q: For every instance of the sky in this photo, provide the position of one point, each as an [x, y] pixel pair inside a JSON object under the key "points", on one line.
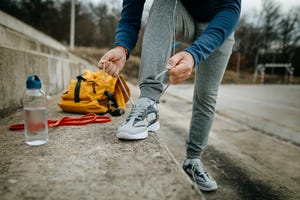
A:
{"points": [[247, 5]]}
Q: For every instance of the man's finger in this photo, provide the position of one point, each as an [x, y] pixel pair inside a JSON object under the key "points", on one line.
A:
{"points": [[116, 72], [101, 63], [179, 69], [107, 57], [109, 67], [173, 61]]}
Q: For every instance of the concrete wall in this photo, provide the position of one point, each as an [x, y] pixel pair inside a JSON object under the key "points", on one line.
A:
{"points": [[25, 51]]}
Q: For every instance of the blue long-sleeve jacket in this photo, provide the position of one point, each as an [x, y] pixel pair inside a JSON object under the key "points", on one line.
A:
{"points": [[222, 15]]}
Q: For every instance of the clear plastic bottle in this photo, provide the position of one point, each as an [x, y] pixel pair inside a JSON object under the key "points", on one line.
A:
{"points": [[35, 112]]}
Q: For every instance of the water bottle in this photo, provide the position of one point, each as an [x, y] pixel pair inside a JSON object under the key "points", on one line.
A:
{"points": [[35, 112]]}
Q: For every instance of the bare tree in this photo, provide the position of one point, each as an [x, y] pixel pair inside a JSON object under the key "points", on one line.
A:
{"points": [[274, 37], [107, 21], [248, 40], [290, 31], [270, 18]]}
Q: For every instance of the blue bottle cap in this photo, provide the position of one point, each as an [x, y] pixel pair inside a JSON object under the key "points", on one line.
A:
{"points": [[33, 82]]}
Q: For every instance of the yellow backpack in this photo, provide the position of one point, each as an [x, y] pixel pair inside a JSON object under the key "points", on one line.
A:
{"points": [[95, 92]]}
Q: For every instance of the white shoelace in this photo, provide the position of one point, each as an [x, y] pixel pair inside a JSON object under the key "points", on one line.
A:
{"points": [[198, 167], [136, 112]]}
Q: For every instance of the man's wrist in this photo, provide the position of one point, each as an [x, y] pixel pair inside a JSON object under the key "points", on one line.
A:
{"points": [[124, 50]]}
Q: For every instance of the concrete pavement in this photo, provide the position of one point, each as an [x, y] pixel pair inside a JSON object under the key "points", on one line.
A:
{"points": [[88, 162]]}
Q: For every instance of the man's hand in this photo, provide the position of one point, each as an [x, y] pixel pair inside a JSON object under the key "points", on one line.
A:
{"points": [[180, 67], [113, 61]]}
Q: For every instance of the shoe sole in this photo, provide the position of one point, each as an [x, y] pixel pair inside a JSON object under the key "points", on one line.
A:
{"points": [[139, 136], [207, 189]]}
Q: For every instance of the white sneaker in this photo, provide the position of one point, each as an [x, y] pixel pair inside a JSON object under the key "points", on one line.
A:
{"points": [[142, 118], [194, 168]]}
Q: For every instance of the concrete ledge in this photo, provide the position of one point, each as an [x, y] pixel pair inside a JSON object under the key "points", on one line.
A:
{"points": [[16, 33], [25, 51], [88, 162], [16, 65]]}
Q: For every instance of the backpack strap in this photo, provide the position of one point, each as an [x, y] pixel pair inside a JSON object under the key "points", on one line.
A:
{"points": [[77, 88], [112, 106]]}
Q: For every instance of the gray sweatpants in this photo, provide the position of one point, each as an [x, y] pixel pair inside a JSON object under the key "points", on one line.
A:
{"points": [[156, 50]]}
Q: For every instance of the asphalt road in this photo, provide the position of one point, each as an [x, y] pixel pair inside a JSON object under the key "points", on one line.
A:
{"points": [[248, 159], [273, 109]]}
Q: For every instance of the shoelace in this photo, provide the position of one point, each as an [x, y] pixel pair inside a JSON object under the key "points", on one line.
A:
{"points": [[122, 85], [136, 112], [198, 167]]}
